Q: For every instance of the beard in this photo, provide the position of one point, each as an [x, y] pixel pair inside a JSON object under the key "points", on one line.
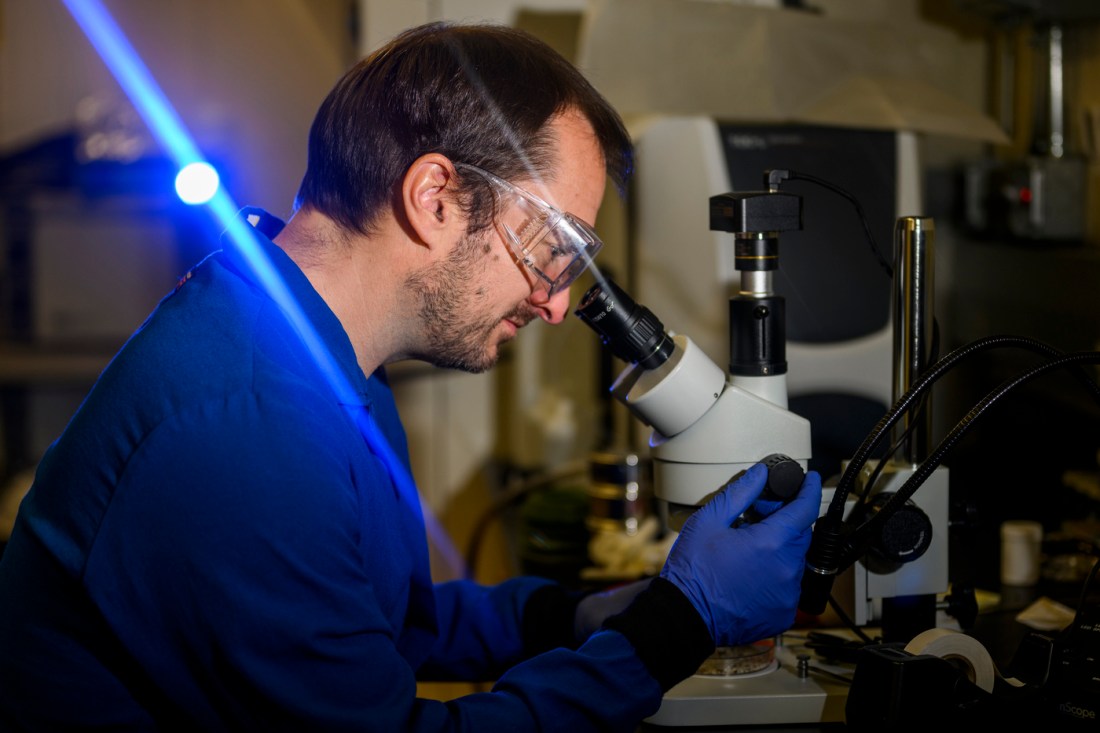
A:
{"points": [[456, 313]]}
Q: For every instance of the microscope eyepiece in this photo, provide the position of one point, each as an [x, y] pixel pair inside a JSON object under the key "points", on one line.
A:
{"points": [[630, 330]]}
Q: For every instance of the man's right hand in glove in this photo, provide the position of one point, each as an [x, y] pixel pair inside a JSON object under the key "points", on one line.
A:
{"points": [[745, 581]]}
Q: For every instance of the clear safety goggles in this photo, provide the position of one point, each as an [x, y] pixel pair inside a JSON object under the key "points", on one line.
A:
{"points": [[555, 245]]}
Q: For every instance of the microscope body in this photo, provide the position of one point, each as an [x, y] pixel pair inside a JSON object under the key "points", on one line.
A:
{"points": [[708, 426]]}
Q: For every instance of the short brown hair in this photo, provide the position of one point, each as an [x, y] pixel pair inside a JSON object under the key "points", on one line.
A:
{"points": [[479, 94]]}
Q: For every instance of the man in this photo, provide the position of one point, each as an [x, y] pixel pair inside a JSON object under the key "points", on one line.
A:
{"points": [[225, 536]]}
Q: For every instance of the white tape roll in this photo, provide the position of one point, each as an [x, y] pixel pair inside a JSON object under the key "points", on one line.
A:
{"points": [[965, 652]]}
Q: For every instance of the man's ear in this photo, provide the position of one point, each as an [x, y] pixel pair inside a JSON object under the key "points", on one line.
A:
{"points": [[428, 200]]}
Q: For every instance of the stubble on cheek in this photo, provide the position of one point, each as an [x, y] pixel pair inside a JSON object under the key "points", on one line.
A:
{"points": [[456, 309]]}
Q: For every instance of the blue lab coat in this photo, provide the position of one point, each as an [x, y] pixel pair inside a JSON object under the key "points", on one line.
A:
{"points": [[215, 544]]}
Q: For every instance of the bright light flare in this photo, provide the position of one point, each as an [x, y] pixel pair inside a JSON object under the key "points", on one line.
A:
{"points": [[196, 183]]}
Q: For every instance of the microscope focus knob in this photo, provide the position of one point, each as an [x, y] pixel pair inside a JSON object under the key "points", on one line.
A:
{"points": [[904, 537], [785, 476]]}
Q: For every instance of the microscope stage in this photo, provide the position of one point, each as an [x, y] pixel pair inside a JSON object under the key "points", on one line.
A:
{"points": [[776, 695]]}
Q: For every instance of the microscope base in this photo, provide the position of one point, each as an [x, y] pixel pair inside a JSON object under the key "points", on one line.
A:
{"points": [[773, 696]]}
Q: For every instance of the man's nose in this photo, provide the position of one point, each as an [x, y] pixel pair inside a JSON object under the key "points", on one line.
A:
{"points": [[553, 308]]}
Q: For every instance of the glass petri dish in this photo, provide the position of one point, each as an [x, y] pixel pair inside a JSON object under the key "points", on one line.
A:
{"points": [[730, 661]]}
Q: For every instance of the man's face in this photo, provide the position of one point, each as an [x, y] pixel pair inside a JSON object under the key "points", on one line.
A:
{"points": [[461, 319], [479, 296]]}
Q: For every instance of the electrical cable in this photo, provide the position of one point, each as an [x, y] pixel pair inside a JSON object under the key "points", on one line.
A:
{"points": [[905, 405], [869, 484], [773, 179], [849, 622], [835, 546], [925, 469], [846, 679], [510, 497], [925, 382], [886, 266]]}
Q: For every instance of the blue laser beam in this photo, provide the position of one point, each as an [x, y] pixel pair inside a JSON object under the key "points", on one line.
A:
{"points": [[166, 126], [134, 78]]}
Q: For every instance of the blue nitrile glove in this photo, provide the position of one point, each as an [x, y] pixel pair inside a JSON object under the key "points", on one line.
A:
{"points": [[745, 582], [594, 608]]}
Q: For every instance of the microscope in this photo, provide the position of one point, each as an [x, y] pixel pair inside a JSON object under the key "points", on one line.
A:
{"points": [[709, 424]]}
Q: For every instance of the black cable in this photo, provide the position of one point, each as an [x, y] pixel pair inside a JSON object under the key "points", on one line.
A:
{"points": [[835, 510], [507, 499], [838, 677], [772, 178], [834, 546], [923, 383], [925, 469], [793, 175], [869, 484], [849, 622]]}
